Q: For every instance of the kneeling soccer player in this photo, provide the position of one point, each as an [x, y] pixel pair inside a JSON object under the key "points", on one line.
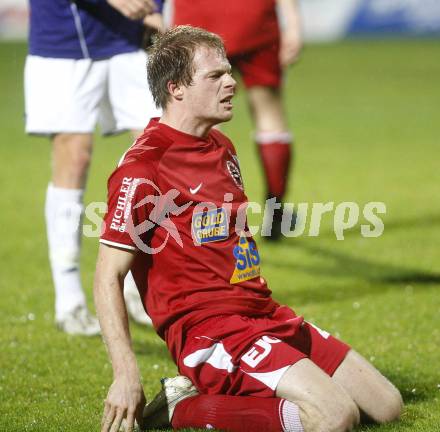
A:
{"points": [[176, 203]]}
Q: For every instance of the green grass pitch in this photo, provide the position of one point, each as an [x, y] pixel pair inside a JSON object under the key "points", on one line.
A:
{"points": [[366, 119]]}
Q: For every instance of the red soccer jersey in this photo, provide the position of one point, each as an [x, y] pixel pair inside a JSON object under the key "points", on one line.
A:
{"points": [[194, 260], [244, 25]]}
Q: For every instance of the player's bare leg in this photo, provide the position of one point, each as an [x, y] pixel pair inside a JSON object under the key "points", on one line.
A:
{"points": [[71, 155], [70, 160], [267, 109], [361, 380], [274, 143], [324, 405]]}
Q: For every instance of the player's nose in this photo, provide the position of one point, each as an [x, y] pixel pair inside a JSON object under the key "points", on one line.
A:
{"points": [[230, 82]]}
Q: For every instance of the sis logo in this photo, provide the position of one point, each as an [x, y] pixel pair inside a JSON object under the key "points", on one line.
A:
{"points": [[247, 265]]}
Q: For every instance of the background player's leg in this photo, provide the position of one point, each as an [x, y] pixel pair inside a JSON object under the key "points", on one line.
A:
{"points": [[375, 396], [71, 159], [64, 209], [325, 404], [274, 143], [267, 109], [272, 137]]}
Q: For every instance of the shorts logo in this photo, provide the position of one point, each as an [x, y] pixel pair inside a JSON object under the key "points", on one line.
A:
{"points": [[234, 171], [247, 265], [259, 351], [210, 226]]}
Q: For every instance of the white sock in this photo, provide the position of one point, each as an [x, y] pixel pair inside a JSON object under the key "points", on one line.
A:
{"points": [[289, 415], [64, 209]]}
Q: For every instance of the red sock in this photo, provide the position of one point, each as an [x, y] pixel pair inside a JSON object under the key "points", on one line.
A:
{"points": [[275, 154], [237, 414]]}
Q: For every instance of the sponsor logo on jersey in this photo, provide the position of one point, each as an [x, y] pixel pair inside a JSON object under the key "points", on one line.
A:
{"points": [[247, 265], [234, 171], [210, 226], [124, 203]]}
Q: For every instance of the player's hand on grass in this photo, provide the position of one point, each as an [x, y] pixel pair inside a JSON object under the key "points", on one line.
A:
{"points": [[291, 45], [134, 9], [125, 400]]}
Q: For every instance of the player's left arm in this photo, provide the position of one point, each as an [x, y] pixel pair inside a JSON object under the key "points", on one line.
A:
{"points": [[125, 397], [291, 31]]}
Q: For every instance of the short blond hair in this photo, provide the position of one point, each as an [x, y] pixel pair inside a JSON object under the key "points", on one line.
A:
{"points": [[170, 58]]}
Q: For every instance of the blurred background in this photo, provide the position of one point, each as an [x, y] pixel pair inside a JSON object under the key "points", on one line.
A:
{"points": [[323, 20]]}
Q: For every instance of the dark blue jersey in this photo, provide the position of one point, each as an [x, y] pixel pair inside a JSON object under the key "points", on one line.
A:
{"points": [[81, 29]]}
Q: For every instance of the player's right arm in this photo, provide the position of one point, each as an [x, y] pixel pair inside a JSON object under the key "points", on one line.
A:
{"points": [[125, 397]]}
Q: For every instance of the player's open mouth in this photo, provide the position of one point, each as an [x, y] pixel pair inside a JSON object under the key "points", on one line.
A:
{"points": [[227, 100]]}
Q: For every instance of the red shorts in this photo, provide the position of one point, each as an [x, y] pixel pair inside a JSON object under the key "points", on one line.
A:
{"points": [[260, 67], [239, 355]]}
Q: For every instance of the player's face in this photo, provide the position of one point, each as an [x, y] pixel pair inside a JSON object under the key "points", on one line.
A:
{"points": [[209, 96]]}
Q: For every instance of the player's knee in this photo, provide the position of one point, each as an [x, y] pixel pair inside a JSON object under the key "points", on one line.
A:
{"points": [[341, 418], [390, 406], [345, 419], [311, 417], [72, 155], [80, 162]]}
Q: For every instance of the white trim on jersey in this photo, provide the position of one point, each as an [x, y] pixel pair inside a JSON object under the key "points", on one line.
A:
{"points": [[120, 245]]}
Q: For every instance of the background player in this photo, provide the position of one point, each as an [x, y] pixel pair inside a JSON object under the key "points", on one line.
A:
{"points": [[258, 50], [84, 66], [256, 363]]}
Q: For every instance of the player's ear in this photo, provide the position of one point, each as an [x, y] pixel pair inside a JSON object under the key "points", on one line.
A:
{"points": [[175, 90]]}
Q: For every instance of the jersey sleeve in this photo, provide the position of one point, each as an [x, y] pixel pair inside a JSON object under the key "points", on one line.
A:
{"points": [[131, 199]]}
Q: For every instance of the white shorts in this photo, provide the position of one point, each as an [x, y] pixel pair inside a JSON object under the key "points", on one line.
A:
{"points": [[73, 96]]}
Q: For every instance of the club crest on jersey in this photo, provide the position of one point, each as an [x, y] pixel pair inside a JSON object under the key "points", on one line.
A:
{"points": [[235, 173], [247, 265], [210, 226]]}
